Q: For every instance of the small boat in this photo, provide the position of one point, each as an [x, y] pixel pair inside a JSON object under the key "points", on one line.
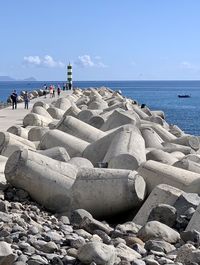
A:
{"points": [[184, 96]]}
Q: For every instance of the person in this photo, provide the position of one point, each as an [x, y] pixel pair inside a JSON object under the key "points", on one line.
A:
{"points": [[51, 91], [26, 100], [14, 99], [64, 87], [58, 91], [54, 90]]}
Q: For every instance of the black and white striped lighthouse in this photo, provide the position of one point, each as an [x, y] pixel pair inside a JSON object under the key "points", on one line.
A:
{"points": [[69, 76]]}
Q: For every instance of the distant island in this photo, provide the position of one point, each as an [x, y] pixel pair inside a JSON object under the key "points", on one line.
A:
{"points": [[8, 78]]}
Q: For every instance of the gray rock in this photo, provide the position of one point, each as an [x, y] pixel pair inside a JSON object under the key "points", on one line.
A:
{"points": [[126, 253], [99, 253], [163, 213], [138, 262], [159, 245], [37, 260], [91, 224], [106, 239], [83, 233], [129, 227], [155, 229], [76, 216], [193, 236], [187, 254], [151, 262], [6, 254], [140, 249], [185, 201]]}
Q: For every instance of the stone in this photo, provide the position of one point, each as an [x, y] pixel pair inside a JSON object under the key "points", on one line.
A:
{"points": [[161, 194], [188, 254], [7, 256], [99, 253], [91, 225], [163, 213], [155, 229], [126, 253], [193, 236], [159, 245], [77, 216]]}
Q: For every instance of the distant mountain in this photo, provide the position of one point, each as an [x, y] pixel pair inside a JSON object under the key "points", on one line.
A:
{"points": [[30, 79], [8, 78]]}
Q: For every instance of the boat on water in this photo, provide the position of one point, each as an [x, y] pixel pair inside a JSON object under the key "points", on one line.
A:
{"points": [[184, 96]]}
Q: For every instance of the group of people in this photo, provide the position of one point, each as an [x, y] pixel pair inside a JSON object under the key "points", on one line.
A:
{"points": [[52, 90], [14, 96]]}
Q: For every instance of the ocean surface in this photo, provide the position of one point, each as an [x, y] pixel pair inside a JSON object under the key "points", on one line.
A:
{"points": [[157, 95]]}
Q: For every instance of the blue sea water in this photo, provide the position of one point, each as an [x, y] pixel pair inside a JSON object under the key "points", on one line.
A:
{"points": [[157, 95]]}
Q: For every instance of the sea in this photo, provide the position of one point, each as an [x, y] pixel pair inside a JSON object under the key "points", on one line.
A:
{"points": [[157, 95]]}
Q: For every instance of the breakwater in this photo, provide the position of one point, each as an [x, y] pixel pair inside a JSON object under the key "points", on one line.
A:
{"points": [[91, 156]]}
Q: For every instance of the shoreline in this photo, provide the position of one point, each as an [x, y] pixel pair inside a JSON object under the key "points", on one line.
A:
{"points": [[93, 155]]}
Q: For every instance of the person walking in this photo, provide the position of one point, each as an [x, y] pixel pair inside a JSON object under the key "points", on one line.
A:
{"points": [[58, 91], [14, 99], [26, 100]]}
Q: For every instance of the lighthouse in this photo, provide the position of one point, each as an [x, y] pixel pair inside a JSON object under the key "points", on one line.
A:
{"points": [[69, 76]]}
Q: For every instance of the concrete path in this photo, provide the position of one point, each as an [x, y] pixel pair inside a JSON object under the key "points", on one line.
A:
{"points": [[10, 117]]}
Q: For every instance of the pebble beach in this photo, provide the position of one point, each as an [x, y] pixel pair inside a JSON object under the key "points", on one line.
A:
{"points": [[94, 177]]}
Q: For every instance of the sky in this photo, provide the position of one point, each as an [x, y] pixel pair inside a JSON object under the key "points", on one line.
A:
{"points": [[102, 39]]}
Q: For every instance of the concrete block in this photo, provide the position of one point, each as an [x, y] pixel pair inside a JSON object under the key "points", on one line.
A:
{"points": [[162, 193], [19, 131], [161, 156], [77, 128], [156, 173], [33, 119], [73, 145]]}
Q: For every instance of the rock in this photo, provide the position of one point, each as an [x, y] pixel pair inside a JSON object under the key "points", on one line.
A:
{"points": [[128, 227], [193, 236], [155, 229], [187, 254], [126, 253], [99, 253], [77, 216], [163, 213], [7, 256], [161, 194], [90, 225], [159, 245], [138, 262]]}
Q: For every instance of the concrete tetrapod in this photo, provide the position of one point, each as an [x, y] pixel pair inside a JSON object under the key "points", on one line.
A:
{"points": [[161, 156], [72, 111], [36, 133], [151, 138], [127, 149], [55, 113], [57, 153], [96, 151], [41, 111], [42, 104], [156, 173], [10, 143], [63, 103], [46, 180], [33, 119], [104, 192], [118, 118], [188, 140], [80, 129], [73, 145], [19, 131], [188, 165]]}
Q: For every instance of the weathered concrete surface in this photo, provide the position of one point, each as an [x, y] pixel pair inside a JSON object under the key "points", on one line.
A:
{"points": [[107, 191], [33, 119], [19, 131], [156, 173], [79, 129], [57, 153], [73, 145], [48, 181], [127, 149], [161, 156], [10, 142], [162, 193]]}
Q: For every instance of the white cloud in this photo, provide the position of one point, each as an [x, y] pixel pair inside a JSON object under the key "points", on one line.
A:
{"points": [[46, 61], [87, 61], [188, 65]]}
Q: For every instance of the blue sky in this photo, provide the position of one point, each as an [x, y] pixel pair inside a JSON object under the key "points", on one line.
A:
{"points": [[103, 39]]}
